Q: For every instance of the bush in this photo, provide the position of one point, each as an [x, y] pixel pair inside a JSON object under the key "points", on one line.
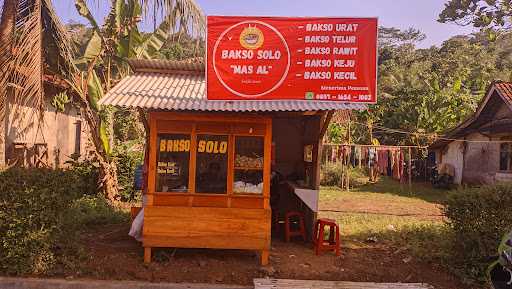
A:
{"points": [[479, 218], [41, 213], [91, 211], [127, 160], [330, 175], [87, 172]]}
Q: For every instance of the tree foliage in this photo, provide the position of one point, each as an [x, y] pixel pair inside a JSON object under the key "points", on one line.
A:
{"points": [[482, 14], [427, 91]]}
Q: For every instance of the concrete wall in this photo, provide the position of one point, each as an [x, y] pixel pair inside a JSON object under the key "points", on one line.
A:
{"points": [[58, 131], [477, 161], [481, 160], [452, 155]]}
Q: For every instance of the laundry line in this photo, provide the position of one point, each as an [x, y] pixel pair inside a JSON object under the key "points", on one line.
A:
{"points": [[387, 160]]}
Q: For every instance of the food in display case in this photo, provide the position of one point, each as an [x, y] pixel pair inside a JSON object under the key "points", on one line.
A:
{"points": [[255, 162], [241, 187], [248, 175]]}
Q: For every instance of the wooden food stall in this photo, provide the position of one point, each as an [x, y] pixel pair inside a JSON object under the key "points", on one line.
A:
{"points": [[209, 182], [212, 163]]}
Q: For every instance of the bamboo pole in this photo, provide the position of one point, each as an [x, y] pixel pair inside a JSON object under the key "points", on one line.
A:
{"points": [[360, 152], [410, 170]]}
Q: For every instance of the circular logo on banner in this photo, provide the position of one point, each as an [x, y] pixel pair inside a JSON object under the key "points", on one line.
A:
{"points": [[252, 38], [251, 59]]}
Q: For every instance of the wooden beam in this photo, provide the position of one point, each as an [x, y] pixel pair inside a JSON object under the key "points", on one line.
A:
{"points": [[326, 123]]}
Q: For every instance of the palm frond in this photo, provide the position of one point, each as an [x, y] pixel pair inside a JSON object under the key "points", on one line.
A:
{"points": [[38, 45], [7, 24], [26, 70], [186, 13], [56, 37]]}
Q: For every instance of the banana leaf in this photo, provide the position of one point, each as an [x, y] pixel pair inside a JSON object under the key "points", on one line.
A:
{"points": [[94, 91]]}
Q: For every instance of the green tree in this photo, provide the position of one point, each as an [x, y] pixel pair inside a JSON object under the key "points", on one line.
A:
{"points": [[427, 91], [483, 14]]}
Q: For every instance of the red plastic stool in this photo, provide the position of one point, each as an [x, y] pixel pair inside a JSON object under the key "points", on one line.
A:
{"points": [[333, 242], [293, 217]]}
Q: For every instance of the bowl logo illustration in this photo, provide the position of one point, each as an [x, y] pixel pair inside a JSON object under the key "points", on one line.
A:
{"points": [[251, 38]]}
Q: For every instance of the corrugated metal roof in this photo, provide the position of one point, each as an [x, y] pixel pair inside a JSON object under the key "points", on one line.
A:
{"points": [[505, 89], [163, 66], [171, 85]]}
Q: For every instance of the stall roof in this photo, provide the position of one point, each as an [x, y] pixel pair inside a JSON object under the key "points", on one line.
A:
{"points": [[179, 85]]}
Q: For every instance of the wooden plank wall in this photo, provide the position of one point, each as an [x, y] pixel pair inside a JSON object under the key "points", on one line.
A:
{"points": [[216, 228]]}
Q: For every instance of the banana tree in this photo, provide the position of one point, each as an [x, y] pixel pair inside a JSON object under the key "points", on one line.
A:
{"points": [[34, 43], [105, 62]]}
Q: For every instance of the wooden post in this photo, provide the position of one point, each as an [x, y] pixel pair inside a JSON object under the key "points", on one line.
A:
{"points": [[147, 255], [410, 170], [264, 257], [348, 174], [349, 149], [425, 164], [360, 155]]}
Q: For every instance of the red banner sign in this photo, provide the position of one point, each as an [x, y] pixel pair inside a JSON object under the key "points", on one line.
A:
{"points": [[269, 58]]}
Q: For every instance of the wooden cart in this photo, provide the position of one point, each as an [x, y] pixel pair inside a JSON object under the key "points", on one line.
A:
{"points": [[189, 216]]}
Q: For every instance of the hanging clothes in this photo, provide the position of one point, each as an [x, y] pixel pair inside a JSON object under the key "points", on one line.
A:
{"points": [[402, 166], [372, 156], [382, 161], [396, 165], [389, 171]]}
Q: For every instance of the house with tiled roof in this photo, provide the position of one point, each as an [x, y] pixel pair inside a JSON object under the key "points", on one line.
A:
{"points": [[480, 148]]}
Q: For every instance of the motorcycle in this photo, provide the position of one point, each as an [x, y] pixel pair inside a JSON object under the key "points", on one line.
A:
{"points": [[500, 272], [441, 181]]}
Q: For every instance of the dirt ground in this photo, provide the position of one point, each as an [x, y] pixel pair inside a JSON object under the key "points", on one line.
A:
{"points": [[112, 254]]}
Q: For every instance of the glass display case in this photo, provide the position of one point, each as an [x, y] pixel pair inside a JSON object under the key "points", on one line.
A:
{"points": [[248, 175], [212, 164], [173, 159]]}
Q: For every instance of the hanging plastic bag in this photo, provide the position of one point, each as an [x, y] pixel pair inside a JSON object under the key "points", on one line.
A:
{"points": [[136, 229]]}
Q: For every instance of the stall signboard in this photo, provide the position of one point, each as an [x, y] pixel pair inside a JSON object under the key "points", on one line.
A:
{"points": [[277, 58]]}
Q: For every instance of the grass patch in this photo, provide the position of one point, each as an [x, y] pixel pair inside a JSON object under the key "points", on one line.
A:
{"points": [[422, 191], [362, 226], [410, 220]]}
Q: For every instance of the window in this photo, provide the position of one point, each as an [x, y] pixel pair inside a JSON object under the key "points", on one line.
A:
{"points": [[248, 165], [78, 137], [173, 159], [212, 164], [506, 157]]}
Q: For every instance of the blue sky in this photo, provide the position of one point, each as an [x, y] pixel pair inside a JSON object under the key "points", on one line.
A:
{"points": [[420, 14]]}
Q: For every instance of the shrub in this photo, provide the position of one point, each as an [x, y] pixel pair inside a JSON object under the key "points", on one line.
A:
{"points": [[87, 173], [32, 204], [127, 159], [330, 175], [41, 212], [479, 218], [91, 211]]}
